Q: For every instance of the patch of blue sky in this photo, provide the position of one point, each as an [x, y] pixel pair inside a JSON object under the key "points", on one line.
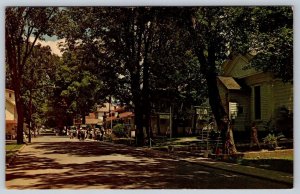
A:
{"points": [[50, 38]]}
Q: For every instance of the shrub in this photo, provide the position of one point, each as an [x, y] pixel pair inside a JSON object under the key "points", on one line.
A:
{"points": [[119, 131], [214, 135], [271, 141]]}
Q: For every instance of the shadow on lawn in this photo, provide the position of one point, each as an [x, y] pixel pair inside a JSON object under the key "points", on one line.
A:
{"points": [[271, 164]]}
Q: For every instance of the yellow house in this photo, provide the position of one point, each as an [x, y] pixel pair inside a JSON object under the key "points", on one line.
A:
{"points": [[10, 114], [249, 95]]}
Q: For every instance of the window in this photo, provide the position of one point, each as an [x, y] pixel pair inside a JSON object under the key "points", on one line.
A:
{"points": [[233, 109], [10, 95], [257, 103]]}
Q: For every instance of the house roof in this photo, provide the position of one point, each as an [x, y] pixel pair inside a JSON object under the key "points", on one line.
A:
{"points": [[10, 101], [91, 121], [121, 115], [11, 121], [90, 116], [9, 90], [229, 83], [126, 114]]}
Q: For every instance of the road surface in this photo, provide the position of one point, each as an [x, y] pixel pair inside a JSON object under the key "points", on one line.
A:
{"points": [[54, 162]]}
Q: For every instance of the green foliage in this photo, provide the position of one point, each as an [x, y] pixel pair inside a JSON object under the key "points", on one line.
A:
{"points": [[76, 83], [281, 122], [272, 40], [119, 130], [38, 84], [214, 134], [271, 141], [23, 27], [139, 55]]}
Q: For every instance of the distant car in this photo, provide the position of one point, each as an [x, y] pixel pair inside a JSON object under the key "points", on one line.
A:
{"points": [[49, 130]]}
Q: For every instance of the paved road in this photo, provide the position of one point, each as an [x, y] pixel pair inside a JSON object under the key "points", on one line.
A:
{"points": [[60, 163]]}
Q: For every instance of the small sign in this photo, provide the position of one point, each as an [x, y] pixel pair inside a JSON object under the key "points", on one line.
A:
{"points": [[164, 116], [132, 133]]}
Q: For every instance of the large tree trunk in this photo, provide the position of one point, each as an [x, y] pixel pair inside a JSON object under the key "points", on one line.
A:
{"points": [[216, 105], [138, 119], [146, 99], [158, 124], [208, 68], [138, 111], [175, 121], [11, 57], [20, 112], [230, 145]]}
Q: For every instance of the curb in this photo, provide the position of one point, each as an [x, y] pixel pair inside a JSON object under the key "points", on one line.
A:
{"points": [[271, 175], [9, 162]]}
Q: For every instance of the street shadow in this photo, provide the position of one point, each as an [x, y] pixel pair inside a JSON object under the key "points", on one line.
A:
{"points": [[113, 174], [135, 169]]}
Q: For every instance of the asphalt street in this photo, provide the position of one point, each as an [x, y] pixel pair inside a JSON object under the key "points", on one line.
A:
{"points": [[55, 162]]}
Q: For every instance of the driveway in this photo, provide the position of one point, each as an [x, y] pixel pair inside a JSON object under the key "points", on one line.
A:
{"points": [[53, 162]]}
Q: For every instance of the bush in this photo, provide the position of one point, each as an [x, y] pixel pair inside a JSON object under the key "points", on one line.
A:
{"points": [[118, 131], [271, 141], [214, 135]]}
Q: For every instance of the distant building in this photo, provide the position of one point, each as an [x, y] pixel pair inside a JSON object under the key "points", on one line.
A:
{"points": [[92, 120], [118, 114], [11, 116]]}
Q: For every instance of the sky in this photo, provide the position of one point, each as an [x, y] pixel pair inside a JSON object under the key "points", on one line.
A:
{"points": [[52, 42]]}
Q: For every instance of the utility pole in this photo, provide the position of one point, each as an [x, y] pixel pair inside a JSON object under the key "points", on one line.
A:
{"points": [[170, 121], [109, 110], [111, 121], [30, 116], [30, 105]]}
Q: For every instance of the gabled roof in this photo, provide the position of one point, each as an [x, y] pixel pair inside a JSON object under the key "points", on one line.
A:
{"points": [[10, 101], [121, 115], [229, 83], [92, 121], [238, 67]]}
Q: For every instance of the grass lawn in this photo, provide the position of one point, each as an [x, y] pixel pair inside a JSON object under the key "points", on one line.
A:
{"points": [[11, 150], [274, 160]]}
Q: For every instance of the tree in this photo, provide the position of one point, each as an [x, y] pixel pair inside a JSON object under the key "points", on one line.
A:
{"points": [[219, 32], [37, 84], [76, 86], [135, 53], [273, 44], [22, 24]]}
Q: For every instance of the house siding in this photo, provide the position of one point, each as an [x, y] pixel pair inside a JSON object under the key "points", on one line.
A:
{"points": [[9, 112], [242, 99], [262, 80], [266, 103], [283, 95], [242, 119], [273, 93]]}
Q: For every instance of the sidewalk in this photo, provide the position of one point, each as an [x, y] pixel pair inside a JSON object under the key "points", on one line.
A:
{"points": [[246, 170], [272, 175], [12, 158]]}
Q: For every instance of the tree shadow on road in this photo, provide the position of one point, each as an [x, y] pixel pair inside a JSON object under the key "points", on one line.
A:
{"points": [[125, 168]]}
